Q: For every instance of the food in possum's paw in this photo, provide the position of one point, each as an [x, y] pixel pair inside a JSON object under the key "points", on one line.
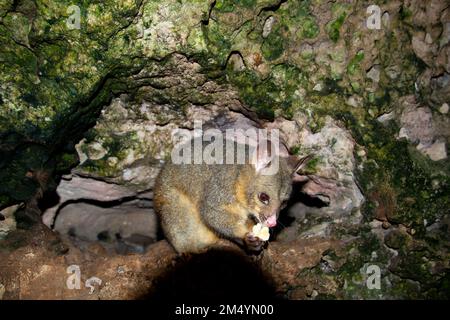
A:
{"points": [[261, 231]]}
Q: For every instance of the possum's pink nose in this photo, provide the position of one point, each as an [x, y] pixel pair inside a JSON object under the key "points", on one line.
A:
{"points": [[271, 221]]}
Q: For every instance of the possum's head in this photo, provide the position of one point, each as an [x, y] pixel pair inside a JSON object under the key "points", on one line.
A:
{"points": [[270, 189]]}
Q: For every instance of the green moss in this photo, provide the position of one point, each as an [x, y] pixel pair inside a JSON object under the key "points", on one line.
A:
{"points": [[248, 84], [354, 64], [218, 41], [405, 13], [382, 99], [389, 162], [333, 28], [396, 240], [100, 168], [66, 161], [295, 150], [350, 268], [299, 9], [277, 93], [198, 98], [5, 6], [442, 289], [309, 28], [413, 266], [273, 46], [311, 166], [307, 55], [117, 146], [248, 3], [331, 86], [225, 5], [405, 289], [356, 87]]}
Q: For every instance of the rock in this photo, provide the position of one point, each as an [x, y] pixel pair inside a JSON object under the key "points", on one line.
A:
{"points": [[236, 62], [354, 101], [7, 220], [384, 118], [423, 50], [445, 36], [417, 124], [138, 134], [393, 72], [361, 153], [82, 156], [74, 188], [306, 50], [331, 186], [95, 151], [332, 177], [140, 174], [421, 127], [444, 108], [318, 87], [268, 26], [397, 239], [288, 131], [437, 151], [374, 74], [440, 86], [428, 39], [319, 230], [386, 19], [137, 276], [130, 224]]}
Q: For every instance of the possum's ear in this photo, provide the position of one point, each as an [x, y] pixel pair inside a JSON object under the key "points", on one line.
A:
{"points": [[297, 164], [264, 155]]}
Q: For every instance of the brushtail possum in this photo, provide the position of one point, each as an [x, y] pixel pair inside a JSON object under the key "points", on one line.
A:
{"points": [[200, 203]]}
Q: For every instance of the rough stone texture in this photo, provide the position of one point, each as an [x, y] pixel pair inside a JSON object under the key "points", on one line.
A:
{"points": [[136, 276], [429, 131], [7, 221], [74, 188], [104, 99], [131, 224]]}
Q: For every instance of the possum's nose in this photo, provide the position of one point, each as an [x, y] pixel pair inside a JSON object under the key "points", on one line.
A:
{"points": [[271, 221]]}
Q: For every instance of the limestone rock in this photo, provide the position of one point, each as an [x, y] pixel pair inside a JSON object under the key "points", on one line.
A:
{"points": [[130, 224], [437, 151], [7, 220], [76, 188]]}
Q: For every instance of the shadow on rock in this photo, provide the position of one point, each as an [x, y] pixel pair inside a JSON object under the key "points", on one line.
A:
{"points": [[217, 275]]}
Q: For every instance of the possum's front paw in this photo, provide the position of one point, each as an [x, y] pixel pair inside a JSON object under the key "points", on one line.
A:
{"points": [[253, 243]]}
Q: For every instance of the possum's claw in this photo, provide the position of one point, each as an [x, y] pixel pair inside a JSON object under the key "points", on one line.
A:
{"points": [[253, 243]]}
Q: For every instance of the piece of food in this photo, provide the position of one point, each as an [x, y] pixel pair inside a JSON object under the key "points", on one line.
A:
{"points": [[261, 231]]}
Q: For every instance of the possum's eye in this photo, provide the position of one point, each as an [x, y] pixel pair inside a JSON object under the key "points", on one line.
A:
{"points": [[264, 198]]}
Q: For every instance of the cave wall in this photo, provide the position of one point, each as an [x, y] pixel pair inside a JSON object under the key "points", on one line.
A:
{"points": [[103, 98]]}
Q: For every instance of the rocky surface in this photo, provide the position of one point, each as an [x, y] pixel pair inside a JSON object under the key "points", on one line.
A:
{"points": [[130, 226], [87, 114], [159, 273], [77, 189], [7, 221]]}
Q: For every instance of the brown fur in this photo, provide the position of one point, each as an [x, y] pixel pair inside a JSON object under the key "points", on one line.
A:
{"points": [[197, 203]]}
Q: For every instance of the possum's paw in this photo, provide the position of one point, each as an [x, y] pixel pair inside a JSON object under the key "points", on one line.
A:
{"points": [[252, 242]]}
